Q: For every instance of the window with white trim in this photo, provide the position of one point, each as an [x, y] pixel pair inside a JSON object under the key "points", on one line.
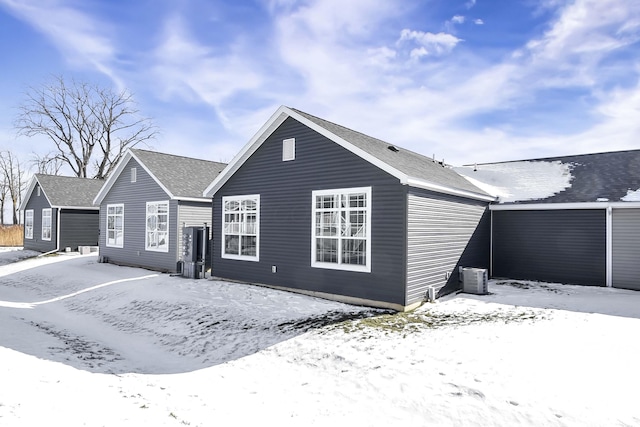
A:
{"points": [[28, 224], [288, 149], [157, 228], [134, 174], [341, 236], [115, 226], [241, 227], [46, 224]]}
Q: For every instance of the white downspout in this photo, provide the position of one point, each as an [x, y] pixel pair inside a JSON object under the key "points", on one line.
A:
{"points": [[609, 247]]}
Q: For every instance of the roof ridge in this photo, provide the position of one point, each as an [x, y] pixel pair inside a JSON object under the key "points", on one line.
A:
{"points": [[175, 155]]}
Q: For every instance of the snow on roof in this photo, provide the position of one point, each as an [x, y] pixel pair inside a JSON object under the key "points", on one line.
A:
{"points": [[632, 196], [520, 181]]}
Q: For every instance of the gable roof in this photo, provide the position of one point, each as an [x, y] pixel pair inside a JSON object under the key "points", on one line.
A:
{"points": [[601, 177], [182, 178], [410, 168], [65, 191]]}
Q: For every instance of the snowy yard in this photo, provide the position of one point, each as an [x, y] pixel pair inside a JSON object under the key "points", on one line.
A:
{"points": [[89, 344]]}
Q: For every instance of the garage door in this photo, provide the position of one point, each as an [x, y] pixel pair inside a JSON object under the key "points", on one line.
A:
{"points": [[625, 253]]}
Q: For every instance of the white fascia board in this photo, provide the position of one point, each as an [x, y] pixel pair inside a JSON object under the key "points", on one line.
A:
{"points": [[249, 148], [419, 183], [93, 208], [192, 199], [113, 176], [27, 196], [563, 206], [106, 187]]}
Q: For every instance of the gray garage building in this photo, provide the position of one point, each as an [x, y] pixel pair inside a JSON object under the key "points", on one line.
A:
{"points": [[572, 219]]}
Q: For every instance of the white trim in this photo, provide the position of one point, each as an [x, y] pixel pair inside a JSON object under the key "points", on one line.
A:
{"points": [[28, 193], [609, 248], [367, 238], [50, 224], [419, 183], [563, 206], [106, 217], [282, 114], [256, 258], [25, 224], [146, 223], [113, 177], [134, 175]]}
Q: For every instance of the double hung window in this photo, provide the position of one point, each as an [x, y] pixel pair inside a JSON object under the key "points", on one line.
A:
{"points": [[341, 236], [46, 224], [157, 228], [115, 226], [28, 224], [241, 227]]}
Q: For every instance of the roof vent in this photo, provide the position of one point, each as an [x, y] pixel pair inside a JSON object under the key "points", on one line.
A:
{"points": [[393, 148]]}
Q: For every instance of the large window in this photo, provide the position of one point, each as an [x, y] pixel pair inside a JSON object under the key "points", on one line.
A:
{"points": [[28, 224], [241, 227], [46, 224], [157, 228], [342, 229], [115, 226]]}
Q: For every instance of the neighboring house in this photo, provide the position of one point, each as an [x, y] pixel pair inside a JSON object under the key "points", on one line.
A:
{"points": [[145, 203], [59, 213], [573, 219], [311, 206]]}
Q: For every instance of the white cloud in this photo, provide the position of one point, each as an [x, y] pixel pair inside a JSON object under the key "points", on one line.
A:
{"points": [[458, 19], [470, 4], [80, 37], [437, 44], [478, 21]]}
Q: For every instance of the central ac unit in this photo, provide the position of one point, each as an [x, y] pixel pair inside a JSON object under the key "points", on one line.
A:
{"points": [[474, 280]]}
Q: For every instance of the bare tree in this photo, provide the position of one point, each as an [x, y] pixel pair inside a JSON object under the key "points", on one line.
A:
{"points": [[13, 178], [91, 126], [49, 164], [4, 191]]}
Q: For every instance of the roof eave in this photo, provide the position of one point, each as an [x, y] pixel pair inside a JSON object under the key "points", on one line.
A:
{"points": [[562, 206], [420, 183]]}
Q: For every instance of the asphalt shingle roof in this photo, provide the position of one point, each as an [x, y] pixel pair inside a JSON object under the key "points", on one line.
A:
{"points": [[595, 177], [412, 164], [182, 176], [66, 191]]}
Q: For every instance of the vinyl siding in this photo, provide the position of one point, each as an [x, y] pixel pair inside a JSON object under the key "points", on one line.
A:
{"points": [[192, 214], [565, 246], [134, 196], [626, 248], [443, 233], [37, 203], [78, 227], [285, 190]]}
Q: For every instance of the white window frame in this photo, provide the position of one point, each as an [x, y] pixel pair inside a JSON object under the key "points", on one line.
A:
{"points": [[288, 149], [46, 213], [115, 243], [134, 174], [28, 225], [339, 264], [243, 229], [152, 244]]}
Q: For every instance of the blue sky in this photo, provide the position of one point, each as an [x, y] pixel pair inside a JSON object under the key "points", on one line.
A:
{"points": [[467, 81]]}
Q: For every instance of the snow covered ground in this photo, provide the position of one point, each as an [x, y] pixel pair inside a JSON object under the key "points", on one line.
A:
{"points": [[88, 344]]}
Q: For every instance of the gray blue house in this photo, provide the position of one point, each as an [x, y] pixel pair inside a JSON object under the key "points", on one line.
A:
{"points": [[571, 219], [59, 213], [146, 202], [312, 206]]}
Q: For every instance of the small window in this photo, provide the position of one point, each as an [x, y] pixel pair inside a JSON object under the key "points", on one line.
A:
{"points": [[38, 191], [241, 227], [115, 226], [341, 224], [46, 224], [28, 224], [157, 228], [134, 174], [288, 149]]}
